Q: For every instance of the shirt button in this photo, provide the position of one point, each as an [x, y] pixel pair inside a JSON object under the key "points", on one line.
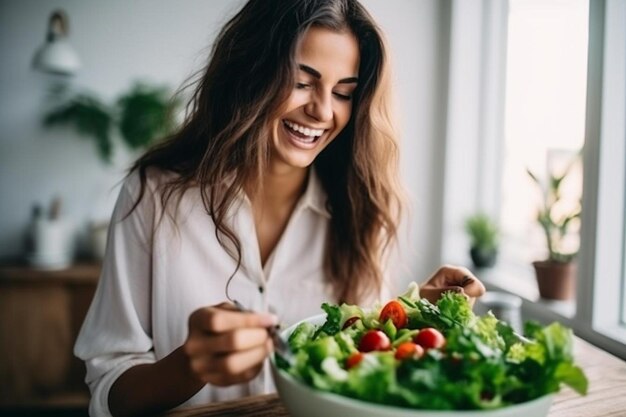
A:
{"points": [[261, 289]]}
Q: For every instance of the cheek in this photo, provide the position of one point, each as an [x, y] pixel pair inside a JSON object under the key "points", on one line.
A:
{"points": [[295, 100], [343, 116]]}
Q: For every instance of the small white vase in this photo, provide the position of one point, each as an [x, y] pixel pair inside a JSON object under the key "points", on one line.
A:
{"points": [[52, 246]]}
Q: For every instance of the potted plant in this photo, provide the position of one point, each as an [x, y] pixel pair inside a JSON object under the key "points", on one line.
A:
{"points": [[484, 234], [140, 116], [556, 275]]}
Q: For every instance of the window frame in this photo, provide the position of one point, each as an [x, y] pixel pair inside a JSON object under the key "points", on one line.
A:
{"points": [[599, 306]]}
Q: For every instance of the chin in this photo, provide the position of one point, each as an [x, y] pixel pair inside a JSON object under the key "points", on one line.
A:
{"points": [[294, 161]]}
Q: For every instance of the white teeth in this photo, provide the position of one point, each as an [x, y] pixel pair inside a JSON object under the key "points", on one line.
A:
{"points": [[304, 130]]}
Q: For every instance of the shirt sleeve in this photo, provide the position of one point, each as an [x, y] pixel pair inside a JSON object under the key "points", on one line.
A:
{"points": [[116, 334]]}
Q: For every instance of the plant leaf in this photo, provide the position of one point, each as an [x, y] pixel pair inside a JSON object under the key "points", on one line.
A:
{"points": [[89, 117], [146, 114]]}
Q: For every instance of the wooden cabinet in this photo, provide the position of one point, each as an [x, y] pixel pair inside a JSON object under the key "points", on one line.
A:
{"points": [[40, 315]]}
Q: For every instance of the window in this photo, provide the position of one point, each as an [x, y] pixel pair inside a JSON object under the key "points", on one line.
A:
{"points": [[569, 57], [601, 297], [550, 114], [546, 77]]}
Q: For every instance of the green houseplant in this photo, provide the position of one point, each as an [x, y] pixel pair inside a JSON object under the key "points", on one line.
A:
{"points": [[139, 116], [484, 236], [556, 275]]}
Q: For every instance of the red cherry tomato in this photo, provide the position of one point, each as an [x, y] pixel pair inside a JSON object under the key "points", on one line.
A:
{"points": [[353, 360], [350, 322], [408, 350], [430, 338], [393, 310], [374, 340]]}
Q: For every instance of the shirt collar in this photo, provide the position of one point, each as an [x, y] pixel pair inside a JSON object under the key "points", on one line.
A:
{"points": [[315, 197]]}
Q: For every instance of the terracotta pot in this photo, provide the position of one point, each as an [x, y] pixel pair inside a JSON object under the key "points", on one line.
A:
{"points": [[556, 280]]}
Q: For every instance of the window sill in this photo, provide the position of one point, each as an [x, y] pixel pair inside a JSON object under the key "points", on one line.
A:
{"points": [[520, 281]]}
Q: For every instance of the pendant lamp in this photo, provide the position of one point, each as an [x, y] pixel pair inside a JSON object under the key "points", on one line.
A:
{"points": [[56, 55]]}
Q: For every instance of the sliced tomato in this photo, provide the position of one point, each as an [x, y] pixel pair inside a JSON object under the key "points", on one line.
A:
{"points": [[393, 310], [430, 338], [374, 340], [350, 322], [353, 360], [408, 350]]}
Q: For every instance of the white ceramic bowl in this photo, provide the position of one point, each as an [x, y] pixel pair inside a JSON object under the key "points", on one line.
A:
{"points": [[304, 401]]}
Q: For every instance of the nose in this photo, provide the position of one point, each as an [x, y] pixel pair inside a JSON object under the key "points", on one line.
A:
{"points": [[320, 106]]}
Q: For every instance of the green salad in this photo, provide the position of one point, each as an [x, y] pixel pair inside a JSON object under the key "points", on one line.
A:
{"points": [[415, 354]]}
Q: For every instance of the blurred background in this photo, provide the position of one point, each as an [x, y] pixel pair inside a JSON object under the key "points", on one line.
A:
{"points": [[163, 44], [506, 113]]}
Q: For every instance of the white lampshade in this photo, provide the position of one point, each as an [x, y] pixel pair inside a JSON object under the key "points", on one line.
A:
{"points": [[57, 56]]}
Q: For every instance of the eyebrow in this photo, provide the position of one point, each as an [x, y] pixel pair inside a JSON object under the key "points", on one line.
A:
{"points": [[317, 75]]}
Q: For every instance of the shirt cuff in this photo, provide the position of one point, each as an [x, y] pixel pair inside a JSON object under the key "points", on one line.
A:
{"points": [[99, 404]]}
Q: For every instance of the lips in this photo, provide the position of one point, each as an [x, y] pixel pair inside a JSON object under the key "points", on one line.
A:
{"points": [[304, 130], [302, 136]]}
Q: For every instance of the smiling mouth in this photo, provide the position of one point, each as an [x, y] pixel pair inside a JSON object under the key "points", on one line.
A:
{"points": [[301, 133]]}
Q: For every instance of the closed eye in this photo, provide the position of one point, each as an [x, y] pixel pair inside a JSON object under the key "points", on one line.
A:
{"points": [[341, 96], [301, 86]]}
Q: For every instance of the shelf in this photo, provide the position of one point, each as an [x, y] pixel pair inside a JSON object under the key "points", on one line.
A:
{"points": [[82, 273]]}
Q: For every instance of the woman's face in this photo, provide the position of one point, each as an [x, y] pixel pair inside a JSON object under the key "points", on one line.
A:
{"points": [[320, 103]]}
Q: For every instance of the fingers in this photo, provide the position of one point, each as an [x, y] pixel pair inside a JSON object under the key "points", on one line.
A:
{"points": [[226, 346], [242, 339], [474, 288], [452, 278], [221, 318], [455, 275], [230, 368]]}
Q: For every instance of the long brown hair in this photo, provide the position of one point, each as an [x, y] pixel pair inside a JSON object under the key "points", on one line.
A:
{"points": [[226, 134]]}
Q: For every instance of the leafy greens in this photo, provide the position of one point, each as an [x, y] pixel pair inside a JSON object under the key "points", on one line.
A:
{"points": [[483, 365]]}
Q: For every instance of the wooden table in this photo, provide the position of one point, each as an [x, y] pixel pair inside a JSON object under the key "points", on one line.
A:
{"points": [[606, 397]]}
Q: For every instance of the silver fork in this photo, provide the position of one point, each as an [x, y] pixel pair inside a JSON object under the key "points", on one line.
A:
{"points": [[281, 347]]}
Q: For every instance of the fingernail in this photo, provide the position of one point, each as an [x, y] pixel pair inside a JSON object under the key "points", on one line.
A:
{"points": [[268, 320]]}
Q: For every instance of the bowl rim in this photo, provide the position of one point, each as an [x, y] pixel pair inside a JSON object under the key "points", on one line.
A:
{"points": [[384, 408]]}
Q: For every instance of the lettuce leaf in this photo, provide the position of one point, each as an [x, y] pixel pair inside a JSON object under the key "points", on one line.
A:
{"points": [[333, 321], [456, 307]]}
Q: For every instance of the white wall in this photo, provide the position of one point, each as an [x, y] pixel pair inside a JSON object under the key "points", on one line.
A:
{"points": [[418, 34], [164, 42]]}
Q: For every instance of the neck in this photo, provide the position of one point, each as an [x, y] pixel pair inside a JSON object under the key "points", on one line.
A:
{"points": [[282, 186]]}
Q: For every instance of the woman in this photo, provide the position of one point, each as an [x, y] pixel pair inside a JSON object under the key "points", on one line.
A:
{"points": [[279, 191]]}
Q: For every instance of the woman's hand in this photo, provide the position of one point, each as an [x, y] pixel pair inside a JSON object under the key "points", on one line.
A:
{"points": [[452, 278], [226, 346]]}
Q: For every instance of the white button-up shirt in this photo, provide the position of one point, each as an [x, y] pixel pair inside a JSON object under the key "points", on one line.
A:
{"points": [[156, 274]]}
